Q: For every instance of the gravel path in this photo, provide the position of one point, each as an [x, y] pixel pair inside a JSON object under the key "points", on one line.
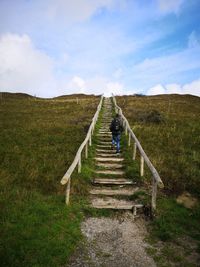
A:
{"points": [[112, 242]]}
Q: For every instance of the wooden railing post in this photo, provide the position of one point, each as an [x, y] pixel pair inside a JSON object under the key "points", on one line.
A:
{"points": [[68, 192], [79, 165], [126, 129], [90, 140], [93, 130], [134, 151], [141, 165], [129, 139], [86, 150], [154, 193]]}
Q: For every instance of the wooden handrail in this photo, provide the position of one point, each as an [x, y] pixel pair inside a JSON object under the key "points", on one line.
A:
{"points": [[144, 158], [77, 160]]}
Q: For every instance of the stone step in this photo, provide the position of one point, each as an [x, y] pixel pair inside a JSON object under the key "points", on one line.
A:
{"points": [[110, 172], [112, 181], [114, 192], [109, 165], [112, 203], [100, 159]]}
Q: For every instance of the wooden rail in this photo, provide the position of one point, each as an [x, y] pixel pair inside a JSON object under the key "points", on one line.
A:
{"points": [[77, 160], [156, 180]]}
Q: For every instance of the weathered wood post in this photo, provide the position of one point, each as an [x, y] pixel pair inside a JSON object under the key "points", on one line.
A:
{"points": [[79, 165], [134, 151], [90, 140], [68, 192], [154, 193], [126, 129], [141, 165], [129, 139], [86, 150]]}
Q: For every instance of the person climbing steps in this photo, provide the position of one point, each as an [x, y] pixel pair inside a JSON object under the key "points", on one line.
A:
{"points": [[116, 128]]}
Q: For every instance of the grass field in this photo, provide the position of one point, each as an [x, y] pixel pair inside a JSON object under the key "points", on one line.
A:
{"points": [[168, 128], [39, 139], [173, 145]]}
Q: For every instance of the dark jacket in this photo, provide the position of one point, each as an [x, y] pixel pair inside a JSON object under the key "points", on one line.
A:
{"points": [[113, 128]]}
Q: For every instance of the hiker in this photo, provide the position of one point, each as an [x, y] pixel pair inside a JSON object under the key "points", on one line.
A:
{"points": [[116, 128]]}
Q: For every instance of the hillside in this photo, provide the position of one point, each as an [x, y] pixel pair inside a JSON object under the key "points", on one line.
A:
{"points": [[8, 95], [39, 139], [168, 129]]}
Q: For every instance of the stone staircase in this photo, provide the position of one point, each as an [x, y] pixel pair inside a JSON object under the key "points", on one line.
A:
{"points": [[110, 187]]}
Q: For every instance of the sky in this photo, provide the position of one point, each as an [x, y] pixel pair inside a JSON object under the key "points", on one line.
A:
{"points": [[57, 47]]}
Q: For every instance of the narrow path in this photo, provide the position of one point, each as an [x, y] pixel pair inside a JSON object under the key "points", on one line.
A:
{"points": [[117, 241], [109, 177]]}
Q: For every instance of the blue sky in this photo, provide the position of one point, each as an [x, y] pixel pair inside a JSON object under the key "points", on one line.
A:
{"points": [[55, 47]]}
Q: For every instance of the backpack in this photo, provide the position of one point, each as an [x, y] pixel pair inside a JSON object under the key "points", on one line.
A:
{"points": [[116, 125]]}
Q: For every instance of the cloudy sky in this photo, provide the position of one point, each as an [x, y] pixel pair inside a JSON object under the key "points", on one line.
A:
{"points": [[54, 47]]}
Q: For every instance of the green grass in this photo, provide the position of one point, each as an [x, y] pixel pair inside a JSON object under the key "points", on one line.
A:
{"points": [[131, 166], [173, 146], [39, 139], [174, 220]]}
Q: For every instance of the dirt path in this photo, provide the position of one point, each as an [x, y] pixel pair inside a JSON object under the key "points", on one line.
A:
{"points": [[113, 242]]}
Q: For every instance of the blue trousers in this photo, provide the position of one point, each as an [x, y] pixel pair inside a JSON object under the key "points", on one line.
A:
{"points": [[116, 141]]}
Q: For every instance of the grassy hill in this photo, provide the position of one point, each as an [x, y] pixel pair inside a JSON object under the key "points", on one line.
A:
{"points": [[168, 128], [39, 139]]}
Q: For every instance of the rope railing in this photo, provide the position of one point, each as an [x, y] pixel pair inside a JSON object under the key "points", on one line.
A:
{"points": [[156, 180], [77, 160]]}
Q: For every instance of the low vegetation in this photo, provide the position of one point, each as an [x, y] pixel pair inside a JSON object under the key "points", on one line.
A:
{"points": [[173, 143], [168, 128], [39, 139]]}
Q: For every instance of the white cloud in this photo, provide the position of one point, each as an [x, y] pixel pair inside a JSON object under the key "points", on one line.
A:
{"points": [[113, 87], [77, 84], [193, 40], [156, 90], [173, 88], [165, 68], [168, 6], [24, 68], [76, 10], [192, 88]]}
